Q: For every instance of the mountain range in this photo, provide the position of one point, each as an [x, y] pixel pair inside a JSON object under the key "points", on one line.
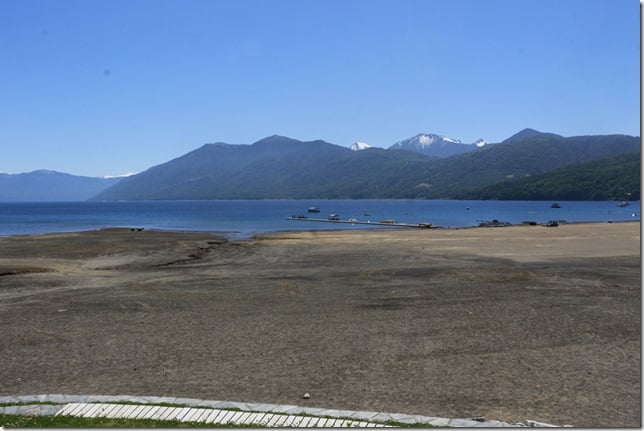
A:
{"points": [[527, 165], [278, 167]]}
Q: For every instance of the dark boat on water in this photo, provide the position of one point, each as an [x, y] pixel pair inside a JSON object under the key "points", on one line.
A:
{"points": [[555, 205], [313, 210]]}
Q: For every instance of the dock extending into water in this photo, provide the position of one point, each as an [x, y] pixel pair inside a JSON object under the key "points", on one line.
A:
{"points": [[367, 222]]}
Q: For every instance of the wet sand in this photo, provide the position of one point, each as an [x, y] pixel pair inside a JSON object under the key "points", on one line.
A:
{"points": [[506, 323]]}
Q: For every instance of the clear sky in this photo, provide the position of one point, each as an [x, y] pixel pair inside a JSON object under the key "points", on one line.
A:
{"points": [[106, 87]]}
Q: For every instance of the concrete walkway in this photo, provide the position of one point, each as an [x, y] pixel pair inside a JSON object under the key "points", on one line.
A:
{"points": [[220, 413]]}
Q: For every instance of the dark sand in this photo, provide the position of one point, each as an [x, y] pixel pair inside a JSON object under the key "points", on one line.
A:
{"points": [[508, 323]]}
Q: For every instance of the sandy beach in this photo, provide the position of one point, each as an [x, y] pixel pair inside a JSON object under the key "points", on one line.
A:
{"points": [[512, 323]]}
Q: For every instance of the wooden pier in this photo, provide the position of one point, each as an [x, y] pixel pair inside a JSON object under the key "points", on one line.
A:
{"points": [[367, 222]]}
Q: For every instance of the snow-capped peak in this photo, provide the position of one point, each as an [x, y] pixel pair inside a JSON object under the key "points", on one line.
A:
{"points": [[359, 146], [480, 142], [425, 140]]}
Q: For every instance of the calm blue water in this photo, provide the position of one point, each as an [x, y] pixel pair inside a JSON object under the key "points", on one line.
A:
{"points": [[248, 217]]}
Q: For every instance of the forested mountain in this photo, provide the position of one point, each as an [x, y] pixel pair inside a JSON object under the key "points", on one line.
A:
{"points": [[281, 168], [514, 159], [612, 178], [272, 168]]}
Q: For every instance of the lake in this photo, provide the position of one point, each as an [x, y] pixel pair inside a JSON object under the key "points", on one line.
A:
{"points": [[246, 217]]}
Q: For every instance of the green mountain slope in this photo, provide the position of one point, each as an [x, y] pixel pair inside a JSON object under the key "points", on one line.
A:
{"points": [[613, 178], [273, 168], [511, 159]]}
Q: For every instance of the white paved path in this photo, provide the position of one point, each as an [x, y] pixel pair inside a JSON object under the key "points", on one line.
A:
{"points": [[223, 412], [206, 415]]}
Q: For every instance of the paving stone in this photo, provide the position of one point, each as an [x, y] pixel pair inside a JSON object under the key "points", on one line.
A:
{"points": [[29, 410], [161, 400], [295, 410], [101, 398], [175, 411], [211, 416], [26, 398], [138, 411], [235, 417], [118, 412], [74, 408], [288, 421], [203, 414], [297, 420], [8, 399], [159, 413], [313, 411], [179, 414], [330, 412], [317, 422], [264, 407], [462, 423], [304, 421], [128, 411], [253, 418], [401, 417], [188, 401], [209, 403], [281, 420], [10, 410], [364, 415], [225, 417], [191, 414], [283, 408], [382, 417], [437, 422], [149, 413], [109, 408]]}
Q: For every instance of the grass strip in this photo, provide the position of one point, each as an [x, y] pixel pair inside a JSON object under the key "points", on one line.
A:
{"points": [[21, 421]]}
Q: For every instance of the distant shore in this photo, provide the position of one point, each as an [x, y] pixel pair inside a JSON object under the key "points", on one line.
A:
{"points": [[512, 323]]}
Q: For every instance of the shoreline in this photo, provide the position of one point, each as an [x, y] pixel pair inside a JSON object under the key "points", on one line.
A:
{"points": [[252, 235]]}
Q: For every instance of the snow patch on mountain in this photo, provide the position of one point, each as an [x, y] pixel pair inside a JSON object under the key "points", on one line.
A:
{"points": [[129, 174], [480, 142], [424, 140], [359, 146]]}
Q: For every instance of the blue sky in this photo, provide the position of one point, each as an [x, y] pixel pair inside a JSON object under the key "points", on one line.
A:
{"points": [[97, 87]]}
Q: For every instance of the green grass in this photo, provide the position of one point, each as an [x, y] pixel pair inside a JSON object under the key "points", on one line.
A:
{"points": [[20, 421], [28, 403]]}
